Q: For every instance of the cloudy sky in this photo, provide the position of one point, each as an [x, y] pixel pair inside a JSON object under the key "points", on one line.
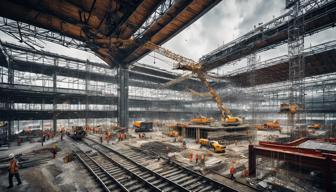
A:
{"points": [[224, 23]]}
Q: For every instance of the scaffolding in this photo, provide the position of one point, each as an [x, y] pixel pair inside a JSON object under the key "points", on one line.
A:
{"points": [[70, 91], [296, 121]]}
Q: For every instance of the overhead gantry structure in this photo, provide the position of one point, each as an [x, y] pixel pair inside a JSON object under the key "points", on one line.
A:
{"points": [[318, 15], [100, 25]]}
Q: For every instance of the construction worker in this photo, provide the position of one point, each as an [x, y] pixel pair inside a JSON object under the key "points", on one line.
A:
{"points": [[191, 157], [54, 151], [245, 172], [196, 158], [184, 144], [62, 134], [13, 170], [118, 137], [202, 159], [232, 172]]}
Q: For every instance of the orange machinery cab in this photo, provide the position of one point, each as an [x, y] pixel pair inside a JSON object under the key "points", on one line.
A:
{"points": [[314, 126], [201, 120], [137, 123], [172, 133], [272, 125], [292, 107], [142, 126], [232, 121]]}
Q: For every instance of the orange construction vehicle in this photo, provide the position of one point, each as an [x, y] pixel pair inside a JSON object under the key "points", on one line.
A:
{"points": [[143, 126], [202, 120], [314, 126], [172, 134], [269, 125], [218, 148]]}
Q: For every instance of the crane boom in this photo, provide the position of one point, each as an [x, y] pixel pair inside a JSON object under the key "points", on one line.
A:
{"points": [[190, 65]]}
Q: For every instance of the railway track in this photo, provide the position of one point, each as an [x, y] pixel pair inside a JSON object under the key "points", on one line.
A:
{"points": [[169, 177], [107, 181], [116, 174]]}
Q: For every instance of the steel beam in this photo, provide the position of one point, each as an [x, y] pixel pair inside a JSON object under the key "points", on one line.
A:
{"points": [[324, 162]]}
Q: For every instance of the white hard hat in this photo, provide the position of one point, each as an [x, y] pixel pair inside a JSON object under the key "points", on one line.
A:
{"points": [[11, 155]]}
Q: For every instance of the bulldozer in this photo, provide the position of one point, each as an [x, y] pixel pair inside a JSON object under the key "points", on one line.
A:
{"points": [[143, 126], [218, 148]]}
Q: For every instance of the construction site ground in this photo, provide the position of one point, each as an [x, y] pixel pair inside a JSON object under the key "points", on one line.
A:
{"points": [[216, 166], [53, 175], [56, 175]]}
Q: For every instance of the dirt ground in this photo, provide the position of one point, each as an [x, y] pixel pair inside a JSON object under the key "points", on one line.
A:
{"points": [[53, 176]]}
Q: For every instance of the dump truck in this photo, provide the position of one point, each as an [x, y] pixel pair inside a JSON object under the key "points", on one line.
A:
{"points": [[143, 126], [218, 148]]}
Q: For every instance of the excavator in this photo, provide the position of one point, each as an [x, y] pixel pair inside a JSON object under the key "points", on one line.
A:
{"points": [[184, 63]]}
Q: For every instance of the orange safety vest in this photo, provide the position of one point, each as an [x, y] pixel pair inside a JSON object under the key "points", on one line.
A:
{"points": [[232, 170], [13, 167]]}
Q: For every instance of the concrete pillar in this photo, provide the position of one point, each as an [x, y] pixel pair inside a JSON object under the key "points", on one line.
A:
{"points": [[183, 132], [198, 134], [123, 114]]}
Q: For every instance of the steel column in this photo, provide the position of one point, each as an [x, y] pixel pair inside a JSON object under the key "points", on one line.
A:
{"points": [[252, 161], [54, 99], [10, 103], [123, 114]]}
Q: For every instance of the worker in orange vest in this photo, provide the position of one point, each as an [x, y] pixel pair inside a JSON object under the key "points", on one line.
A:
{"points": [[196, 158], [191, 157], [202, 159], [13, 170], [232, 172]]}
